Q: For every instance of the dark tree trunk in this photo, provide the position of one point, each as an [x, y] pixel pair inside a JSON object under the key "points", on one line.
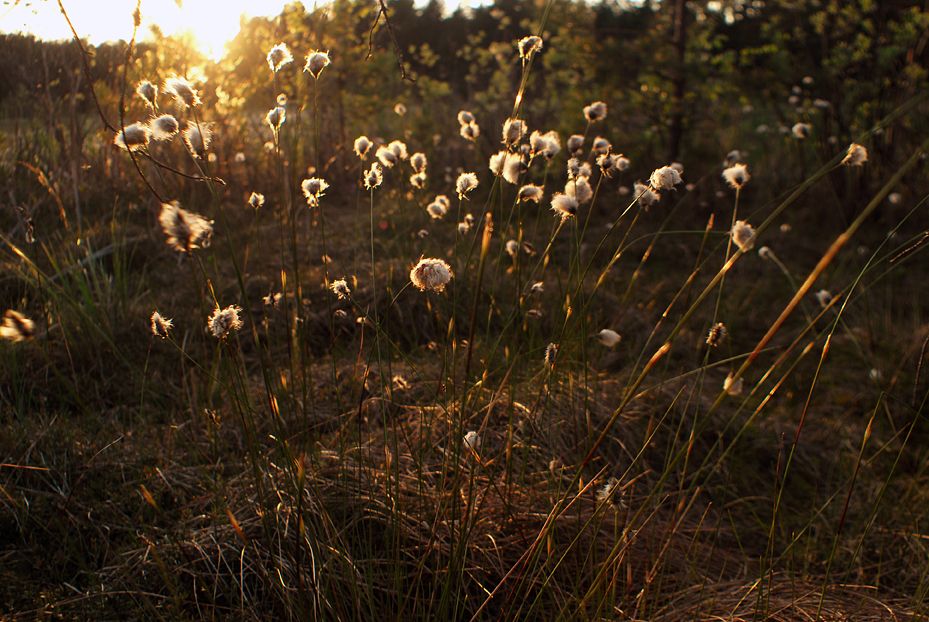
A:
{"points": [[679, 41]]}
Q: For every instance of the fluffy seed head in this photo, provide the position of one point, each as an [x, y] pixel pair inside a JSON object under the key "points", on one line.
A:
{"points": [[362, 146], [801, 130], [472, 441], [609, 338], [182, 91], [133, 137], [743, 234], [374, 176], [147, 91], [418, 180], [398, 148], [716, 335], [665, 178], [386, 157], [256, 200], [276, 117], [313, 188], [184, 231], [465, 117], [823, 297], [601, 145], [733, 386], [223, 322], [857, 155], [575, 144], [399, 109], [316, 61], [164, 127], [279, 56], [512, 248], [579, 189], [513, 131], [431, 274], [436, 210], [466, 183], [564, 206], [470, 131], [645, 195], [418, 161], [577, 169], [197, 139], [340, 289], [530, 192], [595, 112], [551, 353], [161, 325], [611, 495], [528, 46], [736, 176], [16, 326]]}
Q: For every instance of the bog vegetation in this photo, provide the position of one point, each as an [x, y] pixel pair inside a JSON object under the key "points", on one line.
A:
{"points": [[543, 310]]}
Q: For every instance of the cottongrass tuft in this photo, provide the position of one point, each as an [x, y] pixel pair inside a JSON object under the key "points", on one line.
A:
{"points": [[609, 338], [419, 162], [665, 178], [530, 192], [579, 189], [564, 206], [374, 176], [823, 297], [133, 137], [465, 183], [161, 325], [551, 354], [431, 274], [316, 61], [512, 248], [529, 46], [198, 138], [16, 326], [472, 441], [577, 169], [224, 322], [611, 495], [182, 91], [575, 144], [418, 180], [164, 127], [736, 176], [507, 165], [645, 195], [256, 200], [362, 146], [801, 130], [733, 386], [148, 92], [185, 231], [857, 155], [340, 288], [595, 112], [279, 56], [470, 131], [601, 145], [398, 148], [275, 118], [547, 145], [766, 253], [513, 131], [465, 117], [716, 335], [400, 109], [386, 156], [743, 234], [313, 188], [436, 210]]}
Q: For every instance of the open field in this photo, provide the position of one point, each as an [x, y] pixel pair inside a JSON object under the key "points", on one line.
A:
{"points": [[537, 311]]}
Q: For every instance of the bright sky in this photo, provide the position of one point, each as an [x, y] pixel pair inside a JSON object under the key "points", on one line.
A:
{"points": [[211, 22]]}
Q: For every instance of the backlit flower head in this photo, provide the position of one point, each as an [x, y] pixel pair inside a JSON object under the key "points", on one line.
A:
{"points": [[511, 247], [645, 195], [224, 322], [133, 137], [182, 91], [579, 189], [465, 183], [340, 288], [513, 131], [564, 205], [400, 109], [716, 335], [431, 274], [313, 188], [664, 178], [733, 386], [279, 56], [418, 161], [198, 138], [595, 112], [470, 131], [601, 145], [743, 235], [386, 156], [575, 144], [608, 337], [398, 148], [185, 231], [551, 354], [316, 61], [465, 117], [857, 155], [16, 326], [256, 200], [276, 117], [577, 169], [472, 441], [374, 176], [528, 46], [148, 92], [161, 325], [362, 146], [436, 210], [801, 130], [530, 192], [418, 180], [164, 127], [736, 176]]}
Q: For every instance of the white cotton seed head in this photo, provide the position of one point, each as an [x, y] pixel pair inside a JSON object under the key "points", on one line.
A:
{"points": [[362, 146], [564, 206], [275, 118], [386, 156], [665, 178], [736, 176], [575, 144], [148, 92], [530, 192], [580, 190], [256, 200], [313, 188], [470, 131], [400, 109], [645, 195], [465, 117], [164, 127], [316, 61], [340, 288], [601, 145], [801, 130], [733, 386], [513, 131], [160, 325], [431, 274], [182, 91], [374, 176], [133, 137], [398, 148], [198, 138], [857, 155], [609, 338], [823, 297], [418, 161], [224, 322], [279, 56], [743, 235], [595, 112], [184, 231], [436, 210], [529, 46], [512, 248], [472, 441], [418, 180], [465, 183]]}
